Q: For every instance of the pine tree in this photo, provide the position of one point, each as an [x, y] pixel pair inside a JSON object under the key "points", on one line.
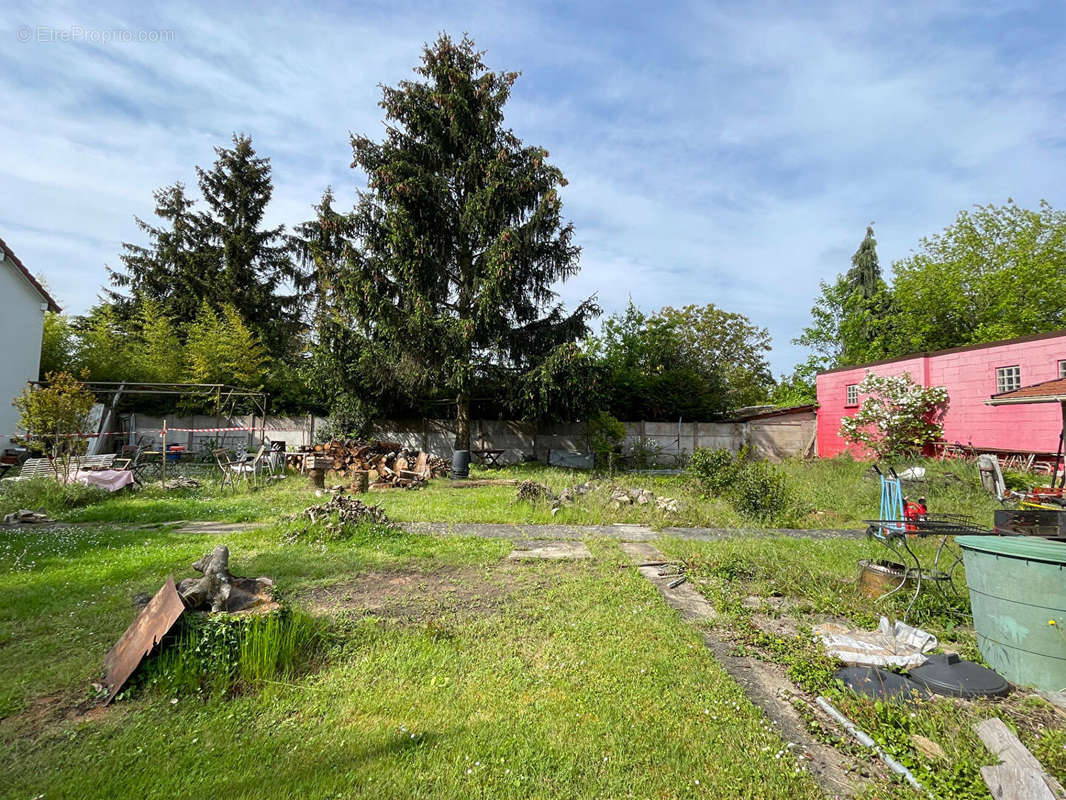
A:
{"points": [[864, 276], [175, 269], [461, 237], [221, 254], [253, 261]]}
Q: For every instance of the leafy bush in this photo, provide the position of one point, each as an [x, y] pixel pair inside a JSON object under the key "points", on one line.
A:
{"points": [[713, 471], [606, 435], [898, 418], [349, 418], [46, 494], [54, 417], [222, 654], [646, 453], [761, 491], [755, 488]]}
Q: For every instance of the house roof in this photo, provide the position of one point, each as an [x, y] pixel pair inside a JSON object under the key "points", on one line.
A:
{"points": [[746, 415], [1053, 391], [1036, 337], [9, 255]]}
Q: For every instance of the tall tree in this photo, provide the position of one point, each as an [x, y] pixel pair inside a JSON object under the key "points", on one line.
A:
{"points": [[221, 255], [176, 267], [649, 372], [995, 273], [254, 261], [852, 319], [727, 344], [461, 237], [864, 277]]}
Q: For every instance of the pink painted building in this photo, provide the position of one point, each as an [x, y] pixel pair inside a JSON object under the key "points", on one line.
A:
{"points": [[971, 374]]}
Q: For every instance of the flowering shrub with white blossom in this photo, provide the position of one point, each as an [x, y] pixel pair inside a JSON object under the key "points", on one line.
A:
{"points": [[898, 417]]}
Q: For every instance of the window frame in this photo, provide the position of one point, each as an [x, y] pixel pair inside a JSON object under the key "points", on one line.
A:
{"points": [[1062, 368], [851, 395], [1001, 373]]}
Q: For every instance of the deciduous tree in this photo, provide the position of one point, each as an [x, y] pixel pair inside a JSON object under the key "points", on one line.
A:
{"points": [[898, 417]]}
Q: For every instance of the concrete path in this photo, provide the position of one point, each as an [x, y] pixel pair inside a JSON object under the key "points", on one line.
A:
{"points": [[548, 549], [623, 533]]}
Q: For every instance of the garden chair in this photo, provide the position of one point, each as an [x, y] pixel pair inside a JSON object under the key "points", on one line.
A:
{"points": [[233, 470], [260, 463]]}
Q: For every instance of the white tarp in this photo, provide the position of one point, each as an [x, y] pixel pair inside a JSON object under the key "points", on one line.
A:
{"points": [[899, 645]]}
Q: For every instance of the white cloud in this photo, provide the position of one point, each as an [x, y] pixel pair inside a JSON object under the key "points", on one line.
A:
{"points": [[728, 153]]}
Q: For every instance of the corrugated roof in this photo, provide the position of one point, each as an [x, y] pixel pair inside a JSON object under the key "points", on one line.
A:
{"points": [[1052, 391], [771, 412], [9, 255]]}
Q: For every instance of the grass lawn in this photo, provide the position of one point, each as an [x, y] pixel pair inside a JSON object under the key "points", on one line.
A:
{"points": [[829, 493], [451, 671], [532, 680]]}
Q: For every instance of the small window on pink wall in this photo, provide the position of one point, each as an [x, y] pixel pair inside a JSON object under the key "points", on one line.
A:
{"points": [[851, 394], [1008, 379], [1062, 368]]}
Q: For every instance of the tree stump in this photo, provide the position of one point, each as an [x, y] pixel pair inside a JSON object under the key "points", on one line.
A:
{"points": [[215, 585], [221, 591]]}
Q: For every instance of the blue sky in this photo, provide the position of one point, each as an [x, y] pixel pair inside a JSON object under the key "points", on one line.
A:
{"points": [[717, 152]]}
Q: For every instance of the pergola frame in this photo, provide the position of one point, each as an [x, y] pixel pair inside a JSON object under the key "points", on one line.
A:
{"points": [[223, 394]]}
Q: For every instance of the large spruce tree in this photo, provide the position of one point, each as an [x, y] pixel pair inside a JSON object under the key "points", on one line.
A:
{"points": [[460, 237], [176, 266], [221, 255]]}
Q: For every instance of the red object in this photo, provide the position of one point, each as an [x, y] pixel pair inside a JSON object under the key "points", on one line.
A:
{"points": [[969, 373], [912, 512]]}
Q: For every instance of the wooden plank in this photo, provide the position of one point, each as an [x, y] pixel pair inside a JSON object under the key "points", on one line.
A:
{"points": [[1008, 782], [998, 738]]}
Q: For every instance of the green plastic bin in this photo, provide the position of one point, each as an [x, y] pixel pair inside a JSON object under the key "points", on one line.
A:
{"points": [[1018, 597]]}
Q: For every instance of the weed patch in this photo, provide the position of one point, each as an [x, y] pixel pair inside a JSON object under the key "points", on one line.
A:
{"points": [[47, 494], [221, 655], [757, 489]]}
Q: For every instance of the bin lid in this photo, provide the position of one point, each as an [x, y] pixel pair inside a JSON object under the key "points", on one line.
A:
{"points": [[1033, 548], [879, 684], [946, 673]]}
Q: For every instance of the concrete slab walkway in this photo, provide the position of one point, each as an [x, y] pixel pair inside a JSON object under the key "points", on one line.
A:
{"points": [[622, 533]]}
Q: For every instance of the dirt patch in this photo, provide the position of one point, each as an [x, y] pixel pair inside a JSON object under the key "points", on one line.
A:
{"points": [[775, 626], [422, 596], [52, 710]]}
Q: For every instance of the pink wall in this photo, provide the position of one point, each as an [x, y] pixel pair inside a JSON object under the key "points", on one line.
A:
{"points": [[970, 377]]}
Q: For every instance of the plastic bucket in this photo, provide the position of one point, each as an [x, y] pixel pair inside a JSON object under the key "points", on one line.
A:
{"points": [[1018, 596], [461, 464]]}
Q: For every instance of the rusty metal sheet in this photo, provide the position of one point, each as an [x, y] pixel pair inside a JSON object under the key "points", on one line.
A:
{"points": [[142, 637]]}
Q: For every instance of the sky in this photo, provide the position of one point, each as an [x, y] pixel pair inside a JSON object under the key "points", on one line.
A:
{"points": [[727, 153]]}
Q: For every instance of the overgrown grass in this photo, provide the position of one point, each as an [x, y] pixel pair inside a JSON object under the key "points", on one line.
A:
{"points": [[217, 656], [756, 583], [47, 494], [823, 494]]}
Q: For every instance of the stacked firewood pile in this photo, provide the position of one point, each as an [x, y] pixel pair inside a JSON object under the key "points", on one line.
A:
{"points": [[377, 462]]}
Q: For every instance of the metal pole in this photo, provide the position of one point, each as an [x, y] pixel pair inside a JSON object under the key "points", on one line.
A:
{"points": [[163, 469]]}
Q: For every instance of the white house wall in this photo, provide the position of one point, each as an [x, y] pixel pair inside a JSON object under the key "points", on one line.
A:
{"points": [[21, 327]]}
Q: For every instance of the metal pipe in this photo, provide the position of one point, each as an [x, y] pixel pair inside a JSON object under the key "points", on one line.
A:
{"points": [[865, 739]]}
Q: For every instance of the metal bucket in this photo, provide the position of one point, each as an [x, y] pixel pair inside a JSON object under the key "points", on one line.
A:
{"points": [[878, 578]]}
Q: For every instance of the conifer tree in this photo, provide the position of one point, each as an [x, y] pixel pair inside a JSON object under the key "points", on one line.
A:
{"points": [[221, 254], [253, 262], [461, 237]]}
